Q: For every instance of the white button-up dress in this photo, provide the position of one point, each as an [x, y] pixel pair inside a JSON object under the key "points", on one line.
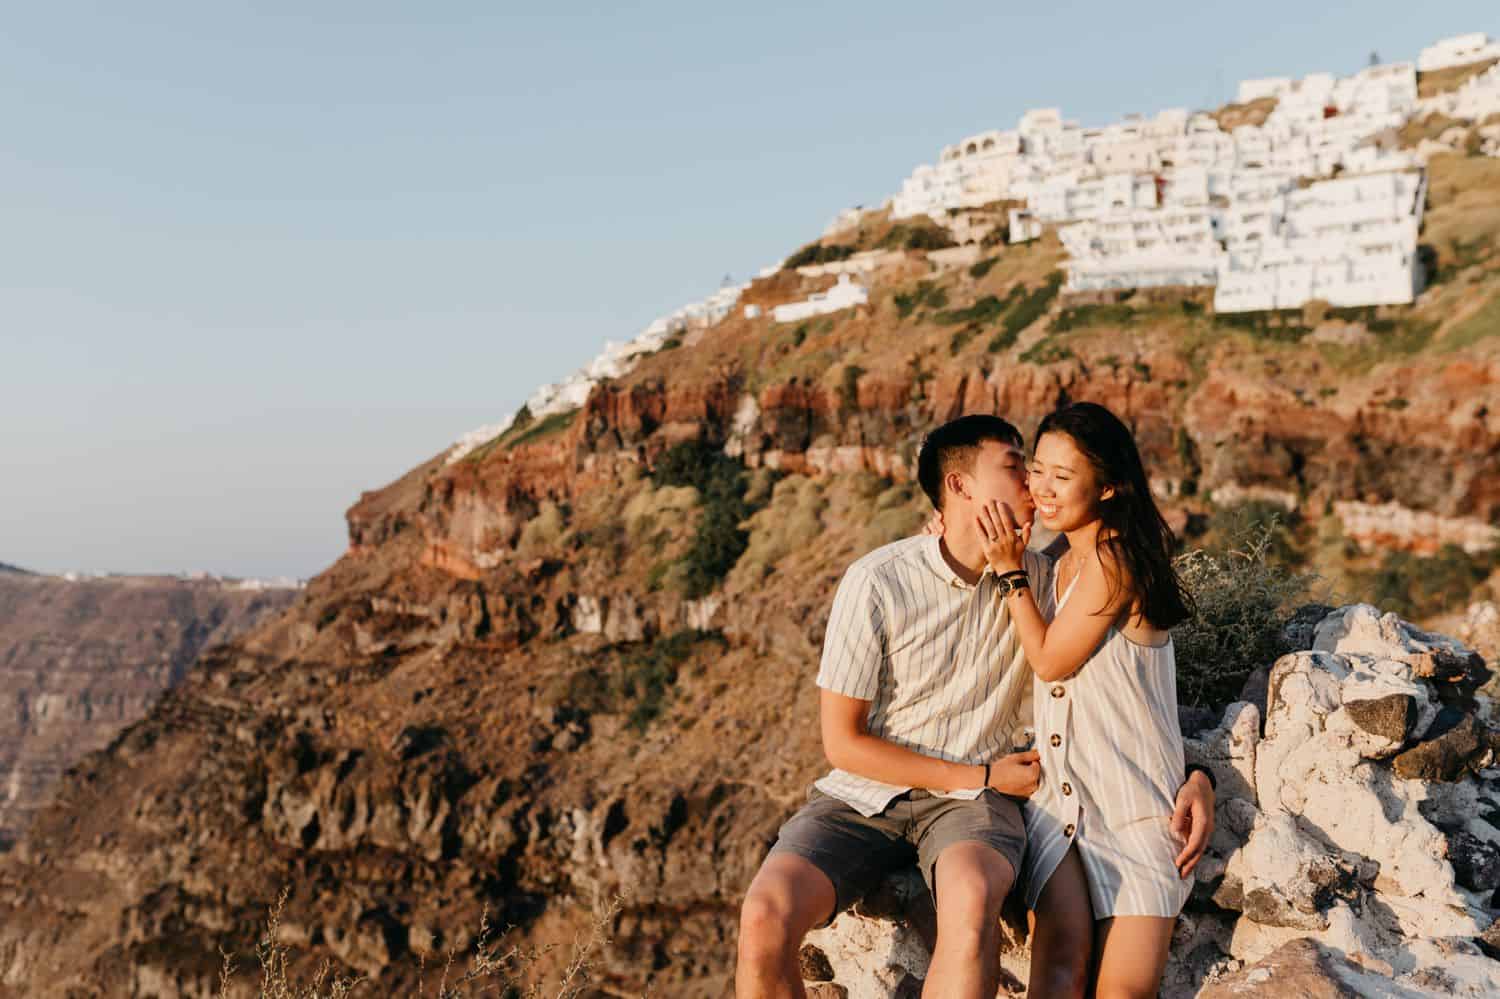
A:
{"points": [[1112, 762]]}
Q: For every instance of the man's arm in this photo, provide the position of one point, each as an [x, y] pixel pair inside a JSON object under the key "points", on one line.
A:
{"points": [[849, 746]]}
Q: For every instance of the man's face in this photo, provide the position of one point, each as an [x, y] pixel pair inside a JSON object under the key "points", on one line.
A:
{"points": [[1000, 474]]}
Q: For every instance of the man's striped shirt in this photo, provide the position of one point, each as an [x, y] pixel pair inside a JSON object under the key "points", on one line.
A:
{"points": [[937, 659]]}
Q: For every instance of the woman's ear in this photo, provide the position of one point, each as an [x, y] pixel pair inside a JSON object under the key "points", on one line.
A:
{"points": [[1108, 493]]}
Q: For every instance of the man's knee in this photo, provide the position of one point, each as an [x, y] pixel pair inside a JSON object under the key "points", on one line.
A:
{"points": [[786, 899], [765, 920], [973, 880]]}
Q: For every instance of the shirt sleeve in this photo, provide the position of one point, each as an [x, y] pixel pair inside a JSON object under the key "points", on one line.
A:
{"points": [[854, 645]]}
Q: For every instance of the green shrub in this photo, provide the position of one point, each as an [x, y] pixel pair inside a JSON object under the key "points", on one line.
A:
{"points": [[926, 295], [1046, 351], [1033, 304], [1243, 598], [722, 484], [1080, 316], [919, 236], [649, 672], [983, 312], [1279, 325], [980, 268], [556, 423], [817, 253]]}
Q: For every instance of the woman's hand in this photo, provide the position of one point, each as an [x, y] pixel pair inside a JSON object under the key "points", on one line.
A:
{"points": [[934, 525], [1004, 539]]}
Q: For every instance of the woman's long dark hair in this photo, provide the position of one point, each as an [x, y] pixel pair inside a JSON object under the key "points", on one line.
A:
{"points": [[1133, 527]]}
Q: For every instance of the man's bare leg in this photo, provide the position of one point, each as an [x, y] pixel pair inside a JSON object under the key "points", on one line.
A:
{"points": [[1062, 934], [788, 897], [972, 881], [1132, 954]]}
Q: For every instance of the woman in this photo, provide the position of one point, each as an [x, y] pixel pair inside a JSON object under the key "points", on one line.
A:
{"points": [[1098, 831]]}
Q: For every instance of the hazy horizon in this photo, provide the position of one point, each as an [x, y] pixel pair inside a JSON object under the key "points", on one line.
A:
{"points": [[261, 261]]}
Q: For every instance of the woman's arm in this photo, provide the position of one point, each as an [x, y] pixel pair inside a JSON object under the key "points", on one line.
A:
{"points": [[1057, 650], [849, 746]]}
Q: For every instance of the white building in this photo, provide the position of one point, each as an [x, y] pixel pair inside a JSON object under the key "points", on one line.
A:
{"points": [[1024, 226], [843, 295], [1142, 248], [1346, 242], [1460, 50]]}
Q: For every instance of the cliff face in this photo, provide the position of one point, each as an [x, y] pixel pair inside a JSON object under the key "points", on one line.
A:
{"points": [[513, 691], [80, 660]]}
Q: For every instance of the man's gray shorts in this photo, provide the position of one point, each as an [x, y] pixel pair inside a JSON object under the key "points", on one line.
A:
{"points": [[855, 851]]}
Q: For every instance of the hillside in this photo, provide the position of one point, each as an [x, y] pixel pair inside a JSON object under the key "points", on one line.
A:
{"points": [[577, 661], [82, 659]]}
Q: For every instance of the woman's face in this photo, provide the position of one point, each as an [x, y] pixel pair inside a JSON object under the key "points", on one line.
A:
{"points": [[1064, 485]]}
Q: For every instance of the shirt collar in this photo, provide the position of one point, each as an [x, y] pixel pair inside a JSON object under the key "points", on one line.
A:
{"points": [[932, 549]]}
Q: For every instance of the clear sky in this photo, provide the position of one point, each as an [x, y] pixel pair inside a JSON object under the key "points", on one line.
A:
{"points": [[257, 258]]}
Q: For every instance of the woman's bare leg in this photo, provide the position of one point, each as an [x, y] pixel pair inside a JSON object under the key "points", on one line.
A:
{"points": [[1132, 954], [1062, 934]]}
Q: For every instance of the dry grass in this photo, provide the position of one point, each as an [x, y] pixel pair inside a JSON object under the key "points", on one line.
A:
{"points": [[791, 521], [493, 968], [1243, 597], [1442, 81], [1232, 116]]}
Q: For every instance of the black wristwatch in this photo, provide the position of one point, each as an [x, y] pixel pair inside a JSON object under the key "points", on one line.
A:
{"points": [[1012, 581]]}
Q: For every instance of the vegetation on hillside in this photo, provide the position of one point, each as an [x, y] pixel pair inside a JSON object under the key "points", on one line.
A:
{"points": [[722, 485], [1243, 595]]}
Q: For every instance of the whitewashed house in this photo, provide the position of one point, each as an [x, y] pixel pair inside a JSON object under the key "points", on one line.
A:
{"points": [[1024, 226], [1347, 242], [1141, 248], [1460, 50], [843, 295]]}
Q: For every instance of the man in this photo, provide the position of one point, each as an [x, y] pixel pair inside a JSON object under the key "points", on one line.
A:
{"points": [[924, 701]]}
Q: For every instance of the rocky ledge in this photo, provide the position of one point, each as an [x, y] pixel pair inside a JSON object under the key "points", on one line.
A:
{"points": [[1357, 849]]}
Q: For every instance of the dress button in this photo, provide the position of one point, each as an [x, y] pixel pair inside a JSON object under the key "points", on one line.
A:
{"points": [[1056, 740], [1067, 788], [1068, 830], [1058, 691]]}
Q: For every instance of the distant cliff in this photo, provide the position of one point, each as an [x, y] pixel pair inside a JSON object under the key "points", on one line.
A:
{"points": [[81, 659]]}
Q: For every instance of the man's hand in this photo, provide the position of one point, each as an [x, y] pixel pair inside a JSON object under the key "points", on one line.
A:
{"points": [[1193, 821], [1017, 774]]}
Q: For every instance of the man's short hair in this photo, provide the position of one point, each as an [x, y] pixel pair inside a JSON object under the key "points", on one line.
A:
{"points": [[954, 446]]}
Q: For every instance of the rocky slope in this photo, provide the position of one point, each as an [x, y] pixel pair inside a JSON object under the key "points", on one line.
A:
{"points": [[82, 659], [555, 671]]}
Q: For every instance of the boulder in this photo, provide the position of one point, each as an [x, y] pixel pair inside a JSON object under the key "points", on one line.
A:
{"points": [[1356, 848]]}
